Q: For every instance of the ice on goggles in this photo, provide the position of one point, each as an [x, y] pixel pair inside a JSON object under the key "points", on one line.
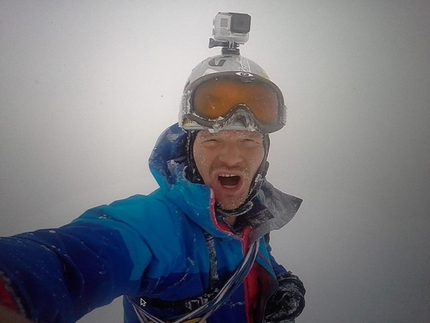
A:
{"points": [[215, 101]]}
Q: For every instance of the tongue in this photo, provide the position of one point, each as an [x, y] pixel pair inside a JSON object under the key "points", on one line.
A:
{"points": [[229, 181]]}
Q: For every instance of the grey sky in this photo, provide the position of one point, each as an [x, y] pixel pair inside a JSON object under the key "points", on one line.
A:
{"points": [[87, 87]]}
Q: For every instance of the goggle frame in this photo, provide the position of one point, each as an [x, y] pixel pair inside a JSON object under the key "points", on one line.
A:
{"points": [[190, 120]]}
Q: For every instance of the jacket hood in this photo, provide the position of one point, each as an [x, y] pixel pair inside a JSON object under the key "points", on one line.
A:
{"points": [[169, 157], [168, 161]]}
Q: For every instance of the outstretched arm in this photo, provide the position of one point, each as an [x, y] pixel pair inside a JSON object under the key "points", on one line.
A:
{"points": [[59, 275], [8, 316]]}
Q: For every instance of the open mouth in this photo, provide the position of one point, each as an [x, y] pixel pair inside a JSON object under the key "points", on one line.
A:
{"points": [[229, 181]]}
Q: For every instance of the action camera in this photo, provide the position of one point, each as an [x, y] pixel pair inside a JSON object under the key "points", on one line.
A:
{"points": [[231, 29]]}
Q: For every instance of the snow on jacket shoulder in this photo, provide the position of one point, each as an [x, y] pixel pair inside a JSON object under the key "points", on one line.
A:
{"points": [[150, 247]]}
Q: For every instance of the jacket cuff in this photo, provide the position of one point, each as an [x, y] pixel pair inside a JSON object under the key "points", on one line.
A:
{"points": [[8, 297]]}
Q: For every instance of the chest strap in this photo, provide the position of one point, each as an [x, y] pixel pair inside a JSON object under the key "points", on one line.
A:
{"points": [[203, 306]]}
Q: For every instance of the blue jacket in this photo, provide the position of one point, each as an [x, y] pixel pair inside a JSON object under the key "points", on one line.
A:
{"points": [[152, 247]]}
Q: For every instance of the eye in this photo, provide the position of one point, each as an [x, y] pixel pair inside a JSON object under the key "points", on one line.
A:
{"points": [[208, 138], [209, 141], [250, 143], [256, 139]]}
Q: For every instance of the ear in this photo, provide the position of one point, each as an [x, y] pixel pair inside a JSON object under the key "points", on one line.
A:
{"points": [[191, 171]]}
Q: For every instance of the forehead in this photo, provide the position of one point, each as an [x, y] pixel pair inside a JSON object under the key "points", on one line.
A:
{"points": [[230, 134]]}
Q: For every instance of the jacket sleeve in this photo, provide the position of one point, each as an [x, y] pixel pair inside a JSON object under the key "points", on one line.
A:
{"points": [[59, 275], [277, 268]]}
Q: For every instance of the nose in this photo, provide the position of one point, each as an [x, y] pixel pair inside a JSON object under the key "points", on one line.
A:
{"points": [[231, 154]]}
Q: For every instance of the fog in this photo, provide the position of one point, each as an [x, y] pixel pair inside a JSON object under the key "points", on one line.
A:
{"points": [[86, 87]]}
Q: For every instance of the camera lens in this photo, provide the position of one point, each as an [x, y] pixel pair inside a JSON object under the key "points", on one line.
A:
{"points": [[240, 23]]}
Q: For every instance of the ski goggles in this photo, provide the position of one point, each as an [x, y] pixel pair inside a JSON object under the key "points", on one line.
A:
{"points": [[226, 99]]}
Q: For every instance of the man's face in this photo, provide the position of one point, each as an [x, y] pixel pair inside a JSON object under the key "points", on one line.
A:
{"points": [[228, 161]]}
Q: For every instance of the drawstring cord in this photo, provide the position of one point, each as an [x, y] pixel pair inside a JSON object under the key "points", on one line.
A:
{"points": [[206, 310]]}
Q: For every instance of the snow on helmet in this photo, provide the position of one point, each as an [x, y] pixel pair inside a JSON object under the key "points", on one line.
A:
{"points": [[230, 91]]}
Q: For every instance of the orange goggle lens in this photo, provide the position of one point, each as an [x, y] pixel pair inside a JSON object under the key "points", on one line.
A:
{"points": [[216, 98]]}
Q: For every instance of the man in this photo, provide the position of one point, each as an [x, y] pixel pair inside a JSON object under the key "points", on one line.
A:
{"points": [[196, 249]]}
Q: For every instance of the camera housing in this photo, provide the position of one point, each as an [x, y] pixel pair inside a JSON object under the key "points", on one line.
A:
{"points": [[230, 30]]}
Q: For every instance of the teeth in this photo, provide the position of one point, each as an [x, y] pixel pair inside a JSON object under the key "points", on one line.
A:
{"points": [[227, 175]]}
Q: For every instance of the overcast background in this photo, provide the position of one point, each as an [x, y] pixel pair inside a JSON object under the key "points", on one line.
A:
{"points": [[86, 87]]}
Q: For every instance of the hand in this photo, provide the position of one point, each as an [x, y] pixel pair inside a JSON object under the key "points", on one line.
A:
{"points": [[7, 316], [288, 300]]}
